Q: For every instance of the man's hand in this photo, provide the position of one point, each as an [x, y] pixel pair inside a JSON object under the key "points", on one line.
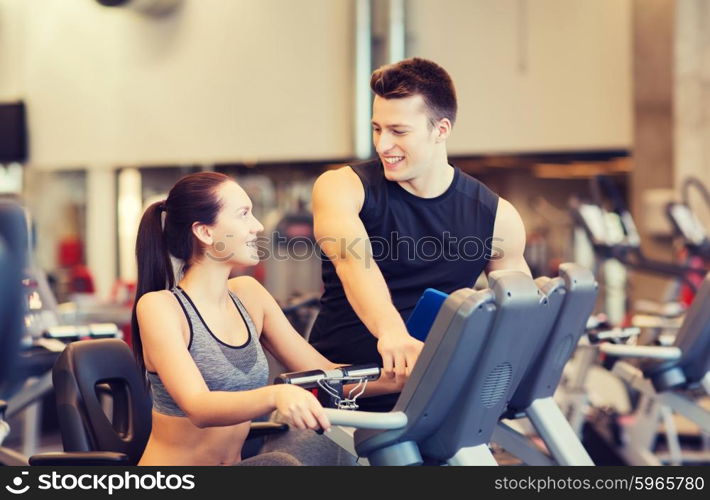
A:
{"points": [[399, 353]]}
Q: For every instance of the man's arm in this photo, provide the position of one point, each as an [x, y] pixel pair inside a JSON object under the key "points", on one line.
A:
{"points": [[508, 240], [338, 196]]}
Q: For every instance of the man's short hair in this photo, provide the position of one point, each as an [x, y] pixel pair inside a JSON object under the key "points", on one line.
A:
{"points": [[418, 76]]}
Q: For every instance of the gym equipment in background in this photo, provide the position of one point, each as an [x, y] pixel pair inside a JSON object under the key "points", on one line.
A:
{"points": [[670, 379], [606, 225]]}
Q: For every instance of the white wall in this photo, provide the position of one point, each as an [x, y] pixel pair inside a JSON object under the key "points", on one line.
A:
{"points": [[218, 81], [691, 100], [245, 80], [532, 75], [12, 23]]}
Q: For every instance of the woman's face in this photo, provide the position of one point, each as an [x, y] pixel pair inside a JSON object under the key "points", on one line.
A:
{"points": [[235, 230]]}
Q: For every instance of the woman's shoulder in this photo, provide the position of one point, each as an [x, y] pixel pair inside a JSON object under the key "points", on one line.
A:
{"points": [[159, 312], [157, 303], [156, 297]]}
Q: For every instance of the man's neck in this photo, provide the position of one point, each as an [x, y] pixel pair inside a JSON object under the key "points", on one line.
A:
{"points": [[432, 184]]}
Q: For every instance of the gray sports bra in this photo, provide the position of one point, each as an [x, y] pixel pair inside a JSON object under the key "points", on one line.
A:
{"points": [[224, 367]]}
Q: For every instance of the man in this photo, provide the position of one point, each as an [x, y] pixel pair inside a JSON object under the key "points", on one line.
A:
{"points": [[392, 227]]}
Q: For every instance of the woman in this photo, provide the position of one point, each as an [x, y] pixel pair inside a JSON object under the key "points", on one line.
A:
{"points": [[200, 339]]}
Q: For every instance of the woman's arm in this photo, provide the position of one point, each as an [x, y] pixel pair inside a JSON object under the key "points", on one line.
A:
{"points": [[165, 346], [290, 348]]}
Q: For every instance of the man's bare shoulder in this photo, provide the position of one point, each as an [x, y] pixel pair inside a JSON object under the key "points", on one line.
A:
{"points": [[343, 177], [341, 185], [506, 209]]}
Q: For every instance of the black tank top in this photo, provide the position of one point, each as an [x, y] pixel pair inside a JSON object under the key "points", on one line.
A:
{"points": [[443, 242]]}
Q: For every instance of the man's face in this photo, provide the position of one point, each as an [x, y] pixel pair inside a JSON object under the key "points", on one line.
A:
{"points": [[404, 139]]}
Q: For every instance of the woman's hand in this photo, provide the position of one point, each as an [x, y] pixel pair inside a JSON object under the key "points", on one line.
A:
{"points": [[299, 408]]}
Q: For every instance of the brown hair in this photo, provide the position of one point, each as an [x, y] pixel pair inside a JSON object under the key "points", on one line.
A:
{"points": [[418, 76], [192, 199]]}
